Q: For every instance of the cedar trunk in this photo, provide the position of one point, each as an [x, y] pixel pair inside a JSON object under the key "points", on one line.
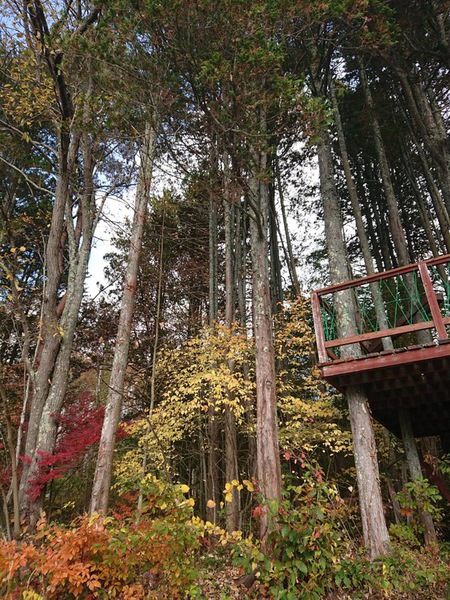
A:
{"points": [[212, 469], [268, 458], [233, 508], [376, 537]]}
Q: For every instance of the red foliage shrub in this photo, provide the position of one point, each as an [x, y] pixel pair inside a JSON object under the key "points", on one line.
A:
{"points": [[79, 428]]}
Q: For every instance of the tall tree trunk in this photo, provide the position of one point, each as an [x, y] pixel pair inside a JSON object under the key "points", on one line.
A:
{"points": [[421, 203], [241, 284], [13, 464], [50, 334], [366, 212], [159, 295], [361, 231], [396, 227], [368, 178], [213, 441], [435, 194], [290, 258], [395, 223], [58, 318], [268, 458], [375, 532], [103, 470], [233, 508], [428, 121], [79, 244], [241, 262], [275, 263]]}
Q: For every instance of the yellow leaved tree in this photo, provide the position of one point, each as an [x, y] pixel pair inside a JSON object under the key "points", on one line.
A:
{"points": [[196, 377]]}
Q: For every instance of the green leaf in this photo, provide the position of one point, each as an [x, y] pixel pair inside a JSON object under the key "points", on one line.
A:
{"points": [[301, 566]]}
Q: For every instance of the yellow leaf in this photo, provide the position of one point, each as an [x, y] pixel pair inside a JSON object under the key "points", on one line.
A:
{"points": [[229, 497], [184, 488], [249, 485]]}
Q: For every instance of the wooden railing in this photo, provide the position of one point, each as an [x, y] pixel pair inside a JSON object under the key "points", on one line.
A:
{"points": [[413, 298]]}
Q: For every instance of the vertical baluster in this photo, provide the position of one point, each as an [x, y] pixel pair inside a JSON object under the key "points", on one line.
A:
{"points": [[432, 302]]}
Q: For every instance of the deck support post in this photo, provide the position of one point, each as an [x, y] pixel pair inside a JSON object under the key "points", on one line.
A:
{"points": [[414, 468]]}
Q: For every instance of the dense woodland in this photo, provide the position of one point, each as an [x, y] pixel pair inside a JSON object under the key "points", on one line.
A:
{"points": [[171, 437]]}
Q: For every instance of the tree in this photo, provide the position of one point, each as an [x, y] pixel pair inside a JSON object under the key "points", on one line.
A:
{"points": [[64, 121], [103, 471]]}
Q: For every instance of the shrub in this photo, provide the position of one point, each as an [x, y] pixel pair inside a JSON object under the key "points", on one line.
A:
{"points": [[305, 542], [309, 553], [107, 557]]}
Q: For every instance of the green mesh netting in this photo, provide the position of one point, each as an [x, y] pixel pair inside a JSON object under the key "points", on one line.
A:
{"points": [[403, 303]]}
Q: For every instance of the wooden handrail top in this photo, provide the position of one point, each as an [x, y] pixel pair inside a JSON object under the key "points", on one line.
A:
{"points": [[431, 262]]}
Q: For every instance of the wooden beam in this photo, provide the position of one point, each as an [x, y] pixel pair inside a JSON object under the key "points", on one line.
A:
{"points": [[382, 275], [318, 326], [432, 301], [330, 370], [374, 335]]}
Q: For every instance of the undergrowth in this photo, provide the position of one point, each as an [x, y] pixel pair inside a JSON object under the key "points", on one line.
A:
{"points": [[165, 552]]}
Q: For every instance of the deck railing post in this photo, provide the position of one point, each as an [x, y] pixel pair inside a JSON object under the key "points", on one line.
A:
{"points": [[318, 326], [432, 302]]}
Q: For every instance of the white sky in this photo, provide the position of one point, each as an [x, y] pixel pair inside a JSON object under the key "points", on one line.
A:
{"points": [[115, 213], [304, 227]]}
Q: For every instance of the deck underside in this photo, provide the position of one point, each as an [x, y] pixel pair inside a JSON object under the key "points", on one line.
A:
{"points": [[416, 378]]}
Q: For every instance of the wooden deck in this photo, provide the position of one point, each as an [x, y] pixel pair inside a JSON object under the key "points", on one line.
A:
{"points": [[412, 376]]}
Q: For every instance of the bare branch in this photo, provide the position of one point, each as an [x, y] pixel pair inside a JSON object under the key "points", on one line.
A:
{"points": [[25, 176]]}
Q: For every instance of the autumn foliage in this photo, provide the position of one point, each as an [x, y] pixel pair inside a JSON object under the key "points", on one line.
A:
{"points": [[110, 557], [80, 426]]}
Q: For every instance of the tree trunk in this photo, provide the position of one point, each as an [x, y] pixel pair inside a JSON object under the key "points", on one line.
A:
{"points": [[415, 470], [268, 458], [428, 121], [58, 318], [371, 201], [435, 194], [241, 283], [377, 252], [395, 223], [233, 508], [290, 259], [275, 263], [421, 204], [213, 441], [159, 295], [376, 537], [361, 231], [13, 461], [103, 470], [79, 252], [50, 334]]}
